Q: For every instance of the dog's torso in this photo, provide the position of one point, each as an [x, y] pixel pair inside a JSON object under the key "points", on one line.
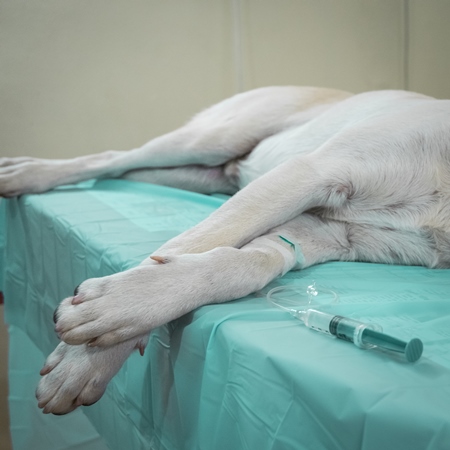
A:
{"points": [[317, 175], [395, 147]]}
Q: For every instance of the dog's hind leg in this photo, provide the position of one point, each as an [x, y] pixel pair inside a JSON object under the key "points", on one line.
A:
{"points": [[217, 135], [321, 239], [202, 179]]}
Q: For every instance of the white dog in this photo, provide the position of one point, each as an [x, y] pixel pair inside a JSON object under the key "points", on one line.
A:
{"points": [[322, 175]]}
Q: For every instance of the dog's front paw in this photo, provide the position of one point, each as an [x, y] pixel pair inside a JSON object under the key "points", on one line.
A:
{"points": [[113, 309], [78, 375]]}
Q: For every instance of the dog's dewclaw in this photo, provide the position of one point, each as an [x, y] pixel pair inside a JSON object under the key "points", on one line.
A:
{"points": [[77, 299], [159, 259]]}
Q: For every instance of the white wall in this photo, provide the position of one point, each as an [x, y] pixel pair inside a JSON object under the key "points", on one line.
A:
{"points": [[79, 76]]}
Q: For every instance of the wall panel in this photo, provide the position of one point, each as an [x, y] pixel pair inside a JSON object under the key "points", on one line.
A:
{"points": [[429, 47], [78, 76], [83, 76], [355, 45]]}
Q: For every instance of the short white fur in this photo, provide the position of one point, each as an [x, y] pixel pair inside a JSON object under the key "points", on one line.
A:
{"points": [[347, 177]]}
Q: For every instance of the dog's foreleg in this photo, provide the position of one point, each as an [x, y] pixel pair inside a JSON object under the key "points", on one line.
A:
{"points": [[118, 307], [110, 310], [75, 375]]}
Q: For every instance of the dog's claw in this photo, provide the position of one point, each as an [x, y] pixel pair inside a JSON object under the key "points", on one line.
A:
{"points": [[77, 299], [45, 370], [55, 315], [160, 259], [141, 348], [92, 342]]}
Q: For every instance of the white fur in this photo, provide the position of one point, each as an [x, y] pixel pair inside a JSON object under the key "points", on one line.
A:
{"points": [[351, 178]]}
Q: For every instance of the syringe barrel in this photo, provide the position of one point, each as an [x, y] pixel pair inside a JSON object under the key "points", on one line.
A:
{"points": [[317, 320], [342, 327]]}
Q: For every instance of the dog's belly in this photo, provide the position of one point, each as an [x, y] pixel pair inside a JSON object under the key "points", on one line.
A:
{"points": [[272, 152]]}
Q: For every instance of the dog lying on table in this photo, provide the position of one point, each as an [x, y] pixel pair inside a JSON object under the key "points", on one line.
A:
{"points": [[348, 177]]}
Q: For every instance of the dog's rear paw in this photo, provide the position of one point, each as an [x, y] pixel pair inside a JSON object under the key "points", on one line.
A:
{"points": [[78, 375], [29, 175]]}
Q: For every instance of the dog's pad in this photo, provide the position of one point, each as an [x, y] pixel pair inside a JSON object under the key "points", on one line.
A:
{"points": [[240, 375]]}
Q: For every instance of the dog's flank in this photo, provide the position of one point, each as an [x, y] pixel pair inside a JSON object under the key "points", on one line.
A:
{"points": [[340, 177]]}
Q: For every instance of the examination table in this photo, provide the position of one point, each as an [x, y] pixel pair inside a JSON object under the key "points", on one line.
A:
{"points": [[243, 375]]}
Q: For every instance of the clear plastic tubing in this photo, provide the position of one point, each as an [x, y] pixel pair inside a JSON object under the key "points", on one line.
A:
{"points": [[361, 334]]}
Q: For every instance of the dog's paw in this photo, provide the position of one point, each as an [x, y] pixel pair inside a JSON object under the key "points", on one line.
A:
{"points": [[118, 307], [29, 175], [78, 375]]}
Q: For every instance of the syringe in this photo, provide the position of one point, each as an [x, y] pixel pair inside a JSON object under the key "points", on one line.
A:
{"points": [[363, 335]]}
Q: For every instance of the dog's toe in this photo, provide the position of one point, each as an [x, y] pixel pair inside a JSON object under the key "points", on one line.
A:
{"points": [[77, 320], [82, 334], [54, 358], [60, 405], [107, 338], [91, 393]]}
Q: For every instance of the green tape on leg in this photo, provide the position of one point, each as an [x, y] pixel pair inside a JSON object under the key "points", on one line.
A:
{"points": [[299, 257]]}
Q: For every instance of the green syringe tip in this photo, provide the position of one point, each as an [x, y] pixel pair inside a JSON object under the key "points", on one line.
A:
{"points": [[413, 350]]}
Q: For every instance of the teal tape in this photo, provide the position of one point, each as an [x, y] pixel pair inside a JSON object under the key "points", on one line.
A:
{"points": [[299, 257]]}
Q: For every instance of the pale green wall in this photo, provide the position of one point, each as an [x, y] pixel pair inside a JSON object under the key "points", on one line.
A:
{"points": [[79, 76]]}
